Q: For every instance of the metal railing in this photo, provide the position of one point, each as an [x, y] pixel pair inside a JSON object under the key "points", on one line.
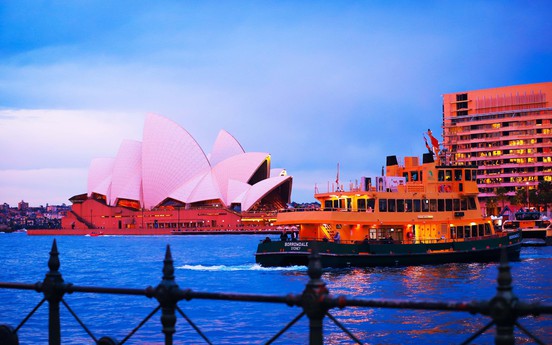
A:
{"points": [[504, 309]]}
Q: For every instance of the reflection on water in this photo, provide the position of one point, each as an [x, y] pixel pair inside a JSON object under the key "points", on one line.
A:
{"points": [[408, 282], [451, 283]]}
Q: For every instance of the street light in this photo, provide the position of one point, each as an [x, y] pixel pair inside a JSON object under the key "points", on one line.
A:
{"points": [[527, 188]]}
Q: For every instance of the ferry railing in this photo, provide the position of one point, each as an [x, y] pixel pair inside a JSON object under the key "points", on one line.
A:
{"points": [[504, 309], [384, 240]]}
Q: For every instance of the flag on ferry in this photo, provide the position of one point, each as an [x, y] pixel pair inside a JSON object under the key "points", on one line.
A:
{"points": [[337, 177], [434, 140], [427, 145]]}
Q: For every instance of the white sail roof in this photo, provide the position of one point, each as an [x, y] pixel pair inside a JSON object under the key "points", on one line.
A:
{"points": [[169, 164]]}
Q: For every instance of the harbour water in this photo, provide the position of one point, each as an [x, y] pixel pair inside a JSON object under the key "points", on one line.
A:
{"points": [[225, 263]]}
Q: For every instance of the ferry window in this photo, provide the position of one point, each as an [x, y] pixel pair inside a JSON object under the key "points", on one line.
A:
{"points": [[400, 205], [425, 205], [349, 207], [392, 205], [512, 225], [481, 229], [463, 204], [452, 233], [460, 232], [471, 203], [408, 205], [341, 203], [467, 232], [371, 204], [336, 204], [456, 204], [441, 175], [373, 234], [414, 175], [432, 205], [421, 175], [487, 229], [441, 204], [383, 205], [448, 175], [361, 204], [457, 175], [327, 204], [417, 205], [405, 175], [468, 175], [448, 204], [474, 230]]}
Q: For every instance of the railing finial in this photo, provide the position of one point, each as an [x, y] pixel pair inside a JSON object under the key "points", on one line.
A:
{"points": [[53, 288], [53, 262], [167, 294], [168, 266], [315, 265]]}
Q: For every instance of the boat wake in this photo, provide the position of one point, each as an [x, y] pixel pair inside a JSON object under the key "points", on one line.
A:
{"points": [[247, 267]]}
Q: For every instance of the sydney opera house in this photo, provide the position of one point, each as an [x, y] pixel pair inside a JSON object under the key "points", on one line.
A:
{"points": [[167, 183]]}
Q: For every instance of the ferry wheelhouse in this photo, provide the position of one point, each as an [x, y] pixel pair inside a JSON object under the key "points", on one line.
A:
{"points": [[414, 214]]}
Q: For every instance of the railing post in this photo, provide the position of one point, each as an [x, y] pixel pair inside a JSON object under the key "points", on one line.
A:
{"points": [[503, 304], [8, 335], [312, 300], [53, 289], [167, 295]]}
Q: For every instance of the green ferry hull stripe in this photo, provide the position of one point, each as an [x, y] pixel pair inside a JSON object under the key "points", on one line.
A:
{"points": [[292, 253]]}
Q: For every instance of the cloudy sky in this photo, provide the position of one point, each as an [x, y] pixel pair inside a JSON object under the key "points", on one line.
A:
{"points": [[312, 83]]}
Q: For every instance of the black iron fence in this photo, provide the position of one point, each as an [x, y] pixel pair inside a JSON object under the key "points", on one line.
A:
{"points": [[504, 310]]}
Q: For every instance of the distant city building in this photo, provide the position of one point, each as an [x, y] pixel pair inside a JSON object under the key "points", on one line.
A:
{"points": [[28, 217], [505, 131], [22, 205]]}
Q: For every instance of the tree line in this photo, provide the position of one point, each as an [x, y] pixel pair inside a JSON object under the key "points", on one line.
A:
{"points": [[540, 197]]}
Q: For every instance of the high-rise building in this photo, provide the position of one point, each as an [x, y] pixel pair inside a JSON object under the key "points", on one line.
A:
{"points": [[506, 132]]}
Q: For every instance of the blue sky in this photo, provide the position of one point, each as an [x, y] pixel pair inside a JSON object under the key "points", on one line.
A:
{"points": [[311, 83]]}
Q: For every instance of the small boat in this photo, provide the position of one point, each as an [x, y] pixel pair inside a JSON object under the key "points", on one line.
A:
{"points": [[95, 234], [414, 214], [535, 226]]}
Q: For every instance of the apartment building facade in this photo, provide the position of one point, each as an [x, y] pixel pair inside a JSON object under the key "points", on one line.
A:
{"points": [[506, 132]]}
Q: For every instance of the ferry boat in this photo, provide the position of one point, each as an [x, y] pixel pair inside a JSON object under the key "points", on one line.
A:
{"points": [[414, 214], [536, 227]]}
